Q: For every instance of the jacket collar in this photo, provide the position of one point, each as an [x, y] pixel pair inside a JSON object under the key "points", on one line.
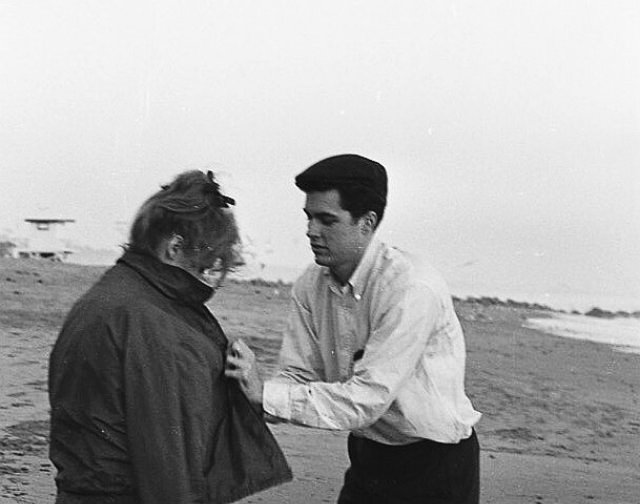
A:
{"points": [[173, 282]]}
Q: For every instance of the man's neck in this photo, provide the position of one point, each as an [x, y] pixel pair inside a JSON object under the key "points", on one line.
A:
{"points": [[343, 274], [342, 277]]}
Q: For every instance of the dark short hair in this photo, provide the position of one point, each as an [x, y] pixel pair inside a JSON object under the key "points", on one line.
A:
{"points": [[360, 182], [191, 206]]}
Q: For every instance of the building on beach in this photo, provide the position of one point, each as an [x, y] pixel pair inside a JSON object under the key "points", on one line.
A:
{"points": [[43, 241]]}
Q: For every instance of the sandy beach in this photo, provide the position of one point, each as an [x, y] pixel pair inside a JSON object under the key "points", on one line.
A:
{"points": [[561, 416]]}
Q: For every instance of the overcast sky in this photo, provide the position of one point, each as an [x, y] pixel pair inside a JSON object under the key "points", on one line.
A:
{"points": [[510, 129]]}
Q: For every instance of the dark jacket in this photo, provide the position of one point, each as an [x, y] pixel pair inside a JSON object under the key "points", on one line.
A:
{"points": [[140, 408]]}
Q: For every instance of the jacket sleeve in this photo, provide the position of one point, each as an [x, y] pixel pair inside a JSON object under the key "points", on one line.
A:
{"points": [[401, 326], [165, 462]]}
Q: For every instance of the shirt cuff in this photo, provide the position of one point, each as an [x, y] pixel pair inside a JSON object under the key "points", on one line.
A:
{"points": [[275, 399]]}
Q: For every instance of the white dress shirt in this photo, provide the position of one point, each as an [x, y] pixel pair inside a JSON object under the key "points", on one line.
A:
{"points": [[382, 356]]}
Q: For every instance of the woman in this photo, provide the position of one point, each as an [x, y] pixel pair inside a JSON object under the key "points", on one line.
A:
{"points": [[140, 409]]}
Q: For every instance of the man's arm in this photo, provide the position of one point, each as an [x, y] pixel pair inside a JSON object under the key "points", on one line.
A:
{"points": [[397, 342]]}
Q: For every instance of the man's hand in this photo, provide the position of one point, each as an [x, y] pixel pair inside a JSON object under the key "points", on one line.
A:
{"points": [[242, 366]]}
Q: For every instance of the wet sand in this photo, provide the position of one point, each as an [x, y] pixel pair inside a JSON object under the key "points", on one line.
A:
{"points": [[561, 417]]}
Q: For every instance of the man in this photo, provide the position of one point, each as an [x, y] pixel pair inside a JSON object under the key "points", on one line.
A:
{"points": [[373, 346], [141, 412]]}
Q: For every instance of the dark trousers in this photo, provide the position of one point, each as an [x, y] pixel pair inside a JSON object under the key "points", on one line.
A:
{"points": [[425, 472]]}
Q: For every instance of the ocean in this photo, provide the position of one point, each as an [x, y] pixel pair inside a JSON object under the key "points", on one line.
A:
{"points": [[622, 334], [463, 282], [566, 299]]}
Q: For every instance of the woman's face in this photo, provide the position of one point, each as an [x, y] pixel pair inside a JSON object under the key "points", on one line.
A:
{"points": [[210, 256], [209, 262]]}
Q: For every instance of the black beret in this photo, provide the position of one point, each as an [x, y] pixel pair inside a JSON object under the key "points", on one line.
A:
{"points": [[345, 169]]}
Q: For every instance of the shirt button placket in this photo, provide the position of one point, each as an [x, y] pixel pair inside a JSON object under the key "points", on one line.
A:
{"points": [[345, 341], [349, 338]]}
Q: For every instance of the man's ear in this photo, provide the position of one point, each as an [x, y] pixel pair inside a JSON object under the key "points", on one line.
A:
{"points": [[368, 222]]}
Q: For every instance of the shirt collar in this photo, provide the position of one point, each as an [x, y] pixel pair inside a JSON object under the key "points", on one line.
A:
{"points": [[359, 278]]}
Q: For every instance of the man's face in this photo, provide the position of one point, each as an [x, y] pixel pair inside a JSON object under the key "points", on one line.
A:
{"points": [[337, 240]]}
